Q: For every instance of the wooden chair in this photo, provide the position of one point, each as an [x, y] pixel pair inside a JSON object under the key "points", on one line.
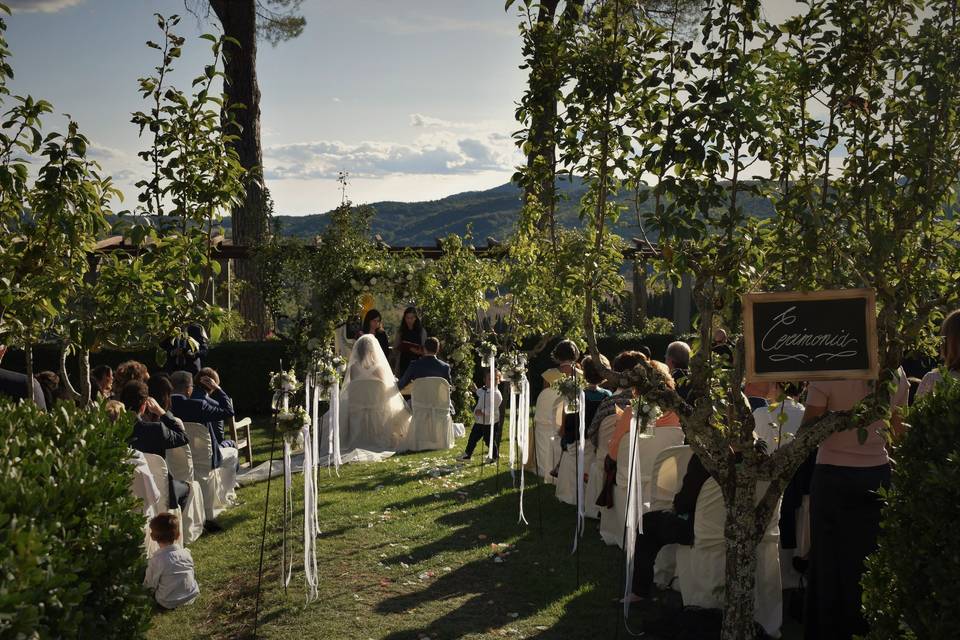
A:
{"points": [[245, 444]]}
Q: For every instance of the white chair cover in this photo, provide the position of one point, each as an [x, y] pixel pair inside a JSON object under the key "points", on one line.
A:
{"points": [[228, 474], [595, 475], [367, 424], [547, 420], [702, 567], [180, 465], [612, 520], [669, 468], [158, 467], [567, 478], [201, 448], [431, 426]]}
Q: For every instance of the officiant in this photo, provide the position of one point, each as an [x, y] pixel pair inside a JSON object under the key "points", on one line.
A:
{"points": [[411, 338]]}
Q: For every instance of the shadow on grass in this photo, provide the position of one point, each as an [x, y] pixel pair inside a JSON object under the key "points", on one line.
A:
{"points": [[515, 583]]}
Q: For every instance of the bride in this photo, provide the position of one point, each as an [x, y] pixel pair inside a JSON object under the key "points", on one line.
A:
{"points": [[373, 414]]}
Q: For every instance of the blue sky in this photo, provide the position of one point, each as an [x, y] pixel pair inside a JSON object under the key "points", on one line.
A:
{"points": [[415, 98]]}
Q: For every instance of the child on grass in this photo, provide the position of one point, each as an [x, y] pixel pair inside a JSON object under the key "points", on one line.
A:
{"points": [[482, 423], [170, 570]]}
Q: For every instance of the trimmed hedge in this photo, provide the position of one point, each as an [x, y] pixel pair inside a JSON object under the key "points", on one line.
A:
{"points": [[244, 368], [910, 587], [71, 532]]}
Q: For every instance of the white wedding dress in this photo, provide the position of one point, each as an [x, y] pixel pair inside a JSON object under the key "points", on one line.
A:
{"points": [[374, 418]]}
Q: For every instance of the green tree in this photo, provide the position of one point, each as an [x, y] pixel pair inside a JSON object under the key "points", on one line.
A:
{"points": [[854, 108], [243, 22]]}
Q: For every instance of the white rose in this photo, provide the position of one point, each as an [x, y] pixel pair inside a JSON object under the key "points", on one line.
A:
{"points": [[373, 281]]}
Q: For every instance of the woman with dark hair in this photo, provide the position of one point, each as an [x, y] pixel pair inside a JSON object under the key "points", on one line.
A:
{"points": [[101, 381], [949, 351], [160, 389], [373, 325], [126, 372], [410, 339], [565, 355], [50, 384]]}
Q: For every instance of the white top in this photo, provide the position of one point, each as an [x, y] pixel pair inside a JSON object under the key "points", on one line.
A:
{"points": [[483, 403], [170, 573], [930, 381], [766, 422]]}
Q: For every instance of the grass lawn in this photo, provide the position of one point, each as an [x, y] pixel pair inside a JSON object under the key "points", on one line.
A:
{"points": [[419, 546]]}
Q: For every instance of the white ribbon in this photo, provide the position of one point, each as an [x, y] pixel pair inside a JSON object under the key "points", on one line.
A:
{"points": [[334, 436], [582, 417], [634, 515], [514, 392], [310, 510], [491, 392], [523, 435]]}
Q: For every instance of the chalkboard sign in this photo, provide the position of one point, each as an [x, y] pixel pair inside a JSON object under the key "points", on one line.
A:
{"points": [[817, 335]]}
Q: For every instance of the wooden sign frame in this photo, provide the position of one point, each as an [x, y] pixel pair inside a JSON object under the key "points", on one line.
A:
{"points": [[871, 373]]}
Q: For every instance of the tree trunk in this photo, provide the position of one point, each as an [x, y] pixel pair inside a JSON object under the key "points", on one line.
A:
{"points": [[85, 389], [65, 385], [741, 532], [28, 362], [239, 21]]}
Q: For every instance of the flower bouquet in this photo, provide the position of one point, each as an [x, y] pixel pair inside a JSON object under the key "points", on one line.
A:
{"points": [[570, 387], [487, 350], [290, 423], [284, 381], [645, 414], [513, 366], [328, 370]]}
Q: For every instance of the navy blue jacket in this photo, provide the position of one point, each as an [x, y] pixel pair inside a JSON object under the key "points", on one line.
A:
{"points": [[204, 411], [157, 437], [223, 401], [425, 367]]}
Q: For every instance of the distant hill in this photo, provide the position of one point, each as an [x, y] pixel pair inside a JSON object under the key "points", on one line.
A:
{"points": [[491, 213]]}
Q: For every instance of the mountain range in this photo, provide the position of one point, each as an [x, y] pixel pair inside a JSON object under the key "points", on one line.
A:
{"points": [[491, 213]]}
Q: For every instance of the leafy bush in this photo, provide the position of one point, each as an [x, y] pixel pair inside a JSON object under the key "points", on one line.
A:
{"points": [[910, 587], [71, 532]]}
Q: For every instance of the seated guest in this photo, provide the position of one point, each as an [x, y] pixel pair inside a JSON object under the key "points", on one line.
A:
{"points": [[622, 397], [565, 356], [202, 392], [768, 424], [184, 356], [170, 570], [623, 422], [14, 385], [593, 395], [678, 361], [114, 409], [50, 383], [721, 346], [216, 406], [429, 366], [154, 431], [127, 371], [101, 382], [949, 351], [161, 390], [669, 526]]}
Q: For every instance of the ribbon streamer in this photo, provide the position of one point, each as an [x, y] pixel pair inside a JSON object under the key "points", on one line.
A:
{"points": [[286, 567], [582, 417], [491, 392], [514, 393], [523, 436], [310, 511], [335, 427], [634, 514]]}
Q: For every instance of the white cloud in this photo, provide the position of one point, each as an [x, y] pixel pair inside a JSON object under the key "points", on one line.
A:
{"points": [[41, 6], [433, 24], [335, 99], [437, 153]]}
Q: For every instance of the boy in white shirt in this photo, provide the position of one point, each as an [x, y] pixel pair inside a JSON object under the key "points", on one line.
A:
{"points": [[170, 570], [482, 423]]}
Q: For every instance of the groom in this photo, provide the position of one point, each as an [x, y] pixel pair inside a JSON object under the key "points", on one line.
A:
{"points": [[428, 366]]}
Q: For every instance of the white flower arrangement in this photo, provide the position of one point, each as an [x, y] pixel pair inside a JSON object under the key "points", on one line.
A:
{"points": [[328, 369], [570, 386], [281, 381], [513, 365], [290, 423], [487, 350], [645, 413]]}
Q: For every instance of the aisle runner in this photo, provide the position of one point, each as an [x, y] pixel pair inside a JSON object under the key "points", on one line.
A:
{"points": [[259, 473]]}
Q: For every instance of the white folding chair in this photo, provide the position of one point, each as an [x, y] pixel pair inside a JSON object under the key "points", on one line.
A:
{"points": [[669, 467], [201, 449], [547, 421], [244, 444], [158, 468], [596, 473], [432, 424], [702, 567], [180, 465]]}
